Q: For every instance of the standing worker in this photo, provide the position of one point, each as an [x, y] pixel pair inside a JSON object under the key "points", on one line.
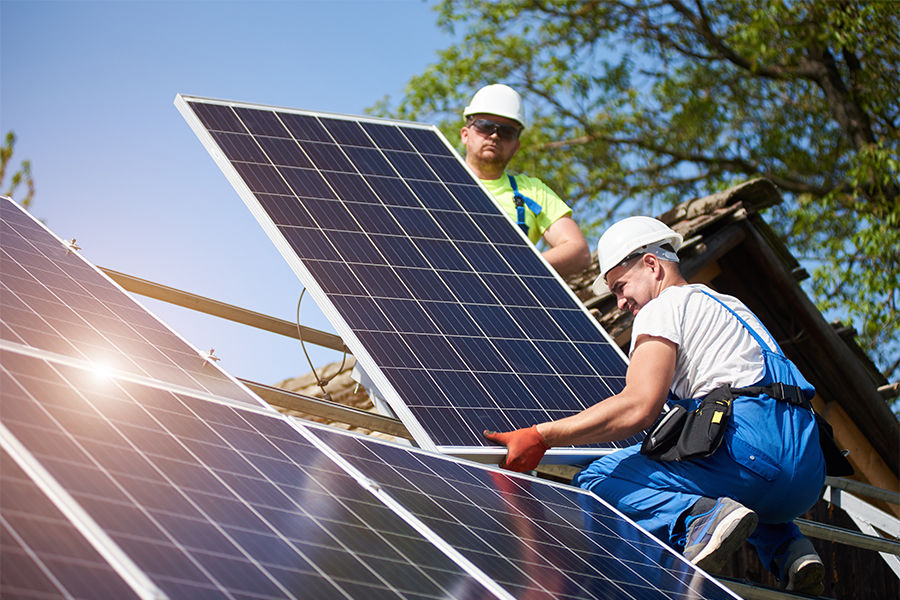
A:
{"points": [[494, 120], [703, 494]]}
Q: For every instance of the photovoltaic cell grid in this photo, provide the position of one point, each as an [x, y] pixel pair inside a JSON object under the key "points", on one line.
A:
{"points": [[538, 540], [115, 486], [52, 300], [449, 309]]}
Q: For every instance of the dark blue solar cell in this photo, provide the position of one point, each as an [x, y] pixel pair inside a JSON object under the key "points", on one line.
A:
{"points": [[393, 191], [240, 147], [449, 169], [499, 230], [468, 287], [432, 347], [387, 136], [459, 226], [480, 354], [417, 388], [345, 132], [310, 243], [351, 187], [217, 118], [523, 356], [328, 157], [495, 321], [443, 255], [355, 247], [462, 387], [523, 261], [283, 153], [474, 199], [565, 358], [605, 357], [330, 214], [510, 290], [426, 142], [307, 183], [540, 324], [262, 178], [552, 294], [261, 122], [370, 161], [409, 165], [381, 282], [374, 218], [407, 316], [417, 222], [434, 195], [305, 127], [452, 318], [389, 349], [506, 390], [579, 326], [428, 282], [400, 252], [485, 258]]}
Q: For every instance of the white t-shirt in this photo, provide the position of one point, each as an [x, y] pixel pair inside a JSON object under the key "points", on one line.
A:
{"points": [[714, 348]]}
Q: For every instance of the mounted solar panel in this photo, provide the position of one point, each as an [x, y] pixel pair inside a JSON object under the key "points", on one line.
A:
{"points": [[452, 313], [119, 485]]}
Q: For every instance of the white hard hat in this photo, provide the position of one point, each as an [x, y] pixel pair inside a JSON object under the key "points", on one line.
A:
{"points": [[497, 99], [634, 235]]}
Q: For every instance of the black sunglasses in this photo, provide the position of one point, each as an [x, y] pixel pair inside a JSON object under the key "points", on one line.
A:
{"points": [[487, 128]]}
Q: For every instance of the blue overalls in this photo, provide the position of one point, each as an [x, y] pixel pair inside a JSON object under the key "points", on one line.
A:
{"points": [[769, 461]]}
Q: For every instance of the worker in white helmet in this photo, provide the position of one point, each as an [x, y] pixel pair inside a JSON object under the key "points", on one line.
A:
{"points": [[494, 120], [703, 480]]}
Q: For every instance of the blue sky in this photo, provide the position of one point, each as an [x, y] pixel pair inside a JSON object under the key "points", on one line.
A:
{"points": [[88, 88]]}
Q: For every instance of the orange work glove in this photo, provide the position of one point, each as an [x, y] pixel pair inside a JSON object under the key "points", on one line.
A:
{"points": [[525, 448]]}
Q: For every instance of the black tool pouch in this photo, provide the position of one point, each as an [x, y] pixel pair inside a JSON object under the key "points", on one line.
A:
{"points": [[836, 464], [681, 435]]}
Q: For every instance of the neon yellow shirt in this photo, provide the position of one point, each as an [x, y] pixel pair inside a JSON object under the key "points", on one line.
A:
{"points": [[552, 208]]}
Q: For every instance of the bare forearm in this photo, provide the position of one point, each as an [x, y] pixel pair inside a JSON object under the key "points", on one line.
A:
{"points": [[613, 419], [569, 259]]}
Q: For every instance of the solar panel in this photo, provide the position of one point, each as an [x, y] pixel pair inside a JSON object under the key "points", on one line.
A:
{"points": [[114, 485], [452, 313], [54, 301]]}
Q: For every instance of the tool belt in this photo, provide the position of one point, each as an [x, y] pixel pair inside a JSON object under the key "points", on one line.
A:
{"points": [[680, 435]]}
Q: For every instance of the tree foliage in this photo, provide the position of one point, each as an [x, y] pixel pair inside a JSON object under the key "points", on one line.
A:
{"points": [[638, 105], [20, 177]]}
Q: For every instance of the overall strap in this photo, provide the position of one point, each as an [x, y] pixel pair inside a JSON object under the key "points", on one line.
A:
{"points": [[521, 201], [749, 329]]}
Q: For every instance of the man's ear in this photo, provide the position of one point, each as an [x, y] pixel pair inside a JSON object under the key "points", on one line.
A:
{"points": [[652, 263]]}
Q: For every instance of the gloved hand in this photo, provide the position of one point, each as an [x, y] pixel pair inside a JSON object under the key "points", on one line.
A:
{"points": [[525, 448]]}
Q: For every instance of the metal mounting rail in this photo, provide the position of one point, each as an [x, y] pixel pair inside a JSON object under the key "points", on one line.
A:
{"points": [[328, 410], [225, 311]]}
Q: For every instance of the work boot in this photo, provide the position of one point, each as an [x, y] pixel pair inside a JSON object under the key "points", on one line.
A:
{"points": [[716, 534], [801, 569]]}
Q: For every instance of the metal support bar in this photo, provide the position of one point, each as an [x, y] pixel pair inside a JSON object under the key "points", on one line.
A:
{"points": [[328, 410], [863, 489], [869, 520], [225, 311], [845, 536]]}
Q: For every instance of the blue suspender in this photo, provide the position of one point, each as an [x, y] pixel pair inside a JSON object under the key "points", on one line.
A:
{"points": [[522, 201], [749, 329]]}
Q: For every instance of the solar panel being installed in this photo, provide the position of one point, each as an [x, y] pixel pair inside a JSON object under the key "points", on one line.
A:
{"points": [[452, 313], [114, 485]]}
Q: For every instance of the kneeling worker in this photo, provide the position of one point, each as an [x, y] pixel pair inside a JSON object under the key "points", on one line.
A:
{"points": [[688, 341], [494, 120]]}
